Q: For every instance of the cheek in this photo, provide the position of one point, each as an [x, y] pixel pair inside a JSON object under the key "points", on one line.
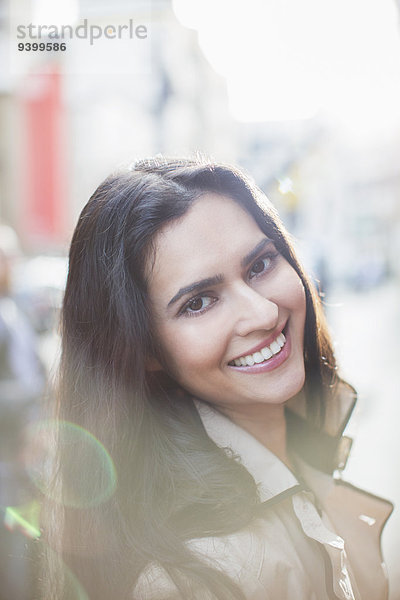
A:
{"points": [[188, 350], [299, 297], [293, 290], [298, 310]]}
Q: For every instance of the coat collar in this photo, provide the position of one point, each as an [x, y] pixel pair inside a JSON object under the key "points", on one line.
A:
{"points": [[271, 475], [338, 408], [326, 449]]}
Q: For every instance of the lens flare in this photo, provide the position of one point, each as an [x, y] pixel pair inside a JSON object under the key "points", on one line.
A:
{"points": [[24, 518], [88, 473], [72, 587]]}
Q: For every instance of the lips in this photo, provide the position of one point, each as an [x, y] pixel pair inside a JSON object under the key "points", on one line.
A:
{"points": [[266, 365], [263, 351], [262, 355]]}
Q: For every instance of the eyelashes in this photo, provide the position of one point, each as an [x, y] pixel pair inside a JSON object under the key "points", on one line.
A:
{"points": [[265, 262], [192, 307], [202, 302]]}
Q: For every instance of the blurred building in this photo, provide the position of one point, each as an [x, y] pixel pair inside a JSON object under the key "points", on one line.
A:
{"points": [[66, 128], [340, 197]]}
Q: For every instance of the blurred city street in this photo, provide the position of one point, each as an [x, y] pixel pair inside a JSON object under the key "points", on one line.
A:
{"points": [[263, 85], [366, 328]]}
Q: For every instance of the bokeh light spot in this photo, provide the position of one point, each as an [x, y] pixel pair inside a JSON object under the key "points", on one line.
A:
{"points": [[88, 473]]}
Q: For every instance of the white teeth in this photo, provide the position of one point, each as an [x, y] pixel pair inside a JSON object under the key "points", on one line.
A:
{"points": [[281, 339], [266, 352], [275, 347], [260, 356]]}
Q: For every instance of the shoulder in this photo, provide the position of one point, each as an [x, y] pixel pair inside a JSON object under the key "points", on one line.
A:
{"points": [[239, 556], [261, 559], [358, 517]]}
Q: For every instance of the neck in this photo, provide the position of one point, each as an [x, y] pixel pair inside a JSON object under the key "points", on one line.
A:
{"points": [[267, 423]]}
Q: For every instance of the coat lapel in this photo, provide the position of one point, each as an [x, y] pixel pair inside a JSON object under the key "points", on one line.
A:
{"points": [[358, 517]]}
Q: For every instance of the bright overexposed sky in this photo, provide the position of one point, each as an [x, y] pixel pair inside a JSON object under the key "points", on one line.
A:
{"points": [[285, 59], [55, 12]]}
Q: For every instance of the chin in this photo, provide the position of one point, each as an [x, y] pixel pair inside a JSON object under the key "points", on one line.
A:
{"points": [[293, 388]]}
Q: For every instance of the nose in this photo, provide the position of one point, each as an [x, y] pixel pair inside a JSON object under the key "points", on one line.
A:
{"points": [[254, 312]]}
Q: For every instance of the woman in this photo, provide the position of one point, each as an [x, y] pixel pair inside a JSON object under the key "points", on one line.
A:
{"points": [[196, 353]]}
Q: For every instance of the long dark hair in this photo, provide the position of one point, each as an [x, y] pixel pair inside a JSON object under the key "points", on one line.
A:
{"points": [[172, 482]]}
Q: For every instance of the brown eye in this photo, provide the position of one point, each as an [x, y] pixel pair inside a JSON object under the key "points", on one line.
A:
{"points": [[196, 304], [258, 266], [261, 265]]}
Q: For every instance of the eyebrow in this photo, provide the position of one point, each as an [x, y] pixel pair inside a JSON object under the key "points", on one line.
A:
{"points": [[196, 286], [218, 279], [253, 253]]}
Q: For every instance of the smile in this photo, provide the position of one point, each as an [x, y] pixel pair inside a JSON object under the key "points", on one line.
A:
{"points": [[261, 356]]}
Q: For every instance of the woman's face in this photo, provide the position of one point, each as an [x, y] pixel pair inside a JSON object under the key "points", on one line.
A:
{"points": [[229, 310]]}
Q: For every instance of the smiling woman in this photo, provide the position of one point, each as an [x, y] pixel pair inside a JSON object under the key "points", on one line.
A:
{"points": [[249, 305], [196, 352]]}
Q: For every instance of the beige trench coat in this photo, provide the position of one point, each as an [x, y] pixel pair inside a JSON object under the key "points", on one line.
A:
{"points": [[318, 539]]}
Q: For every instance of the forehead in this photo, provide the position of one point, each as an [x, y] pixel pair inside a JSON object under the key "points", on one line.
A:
{"points": [[214, 231]]}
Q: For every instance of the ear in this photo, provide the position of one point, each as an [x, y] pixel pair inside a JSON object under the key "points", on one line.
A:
{"points": [[152, 364]]}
